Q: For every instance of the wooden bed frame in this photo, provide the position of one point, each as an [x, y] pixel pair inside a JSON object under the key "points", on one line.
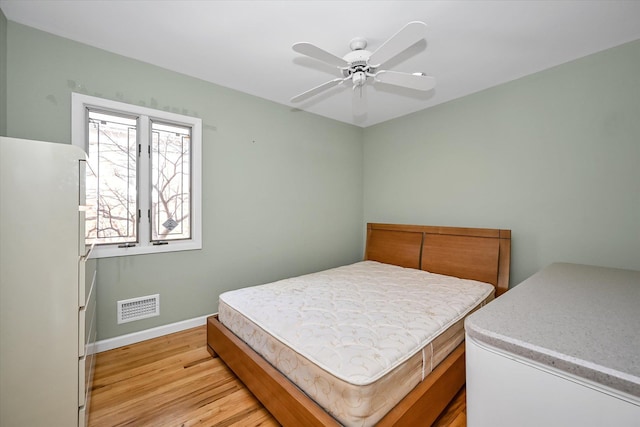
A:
{"points": [[470, 253]]}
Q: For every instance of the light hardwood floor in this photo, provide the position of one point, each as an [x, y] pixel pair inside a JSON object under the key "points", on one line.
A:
{"points": [[173, 381]]}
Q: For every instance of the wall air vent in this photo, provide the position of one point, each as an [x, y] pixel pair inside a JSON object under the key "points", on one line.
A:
{"points": [[138, 308]]}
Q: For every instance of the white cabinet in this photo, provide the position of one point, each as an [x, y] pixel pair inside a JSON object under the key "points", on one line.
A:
{"points": [[560, 349], [47, 286], [505, 390]]}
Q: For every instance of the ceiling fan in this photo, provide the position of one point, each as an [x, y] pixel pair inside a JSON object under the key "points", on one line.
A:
{"points": [[361, 66]]}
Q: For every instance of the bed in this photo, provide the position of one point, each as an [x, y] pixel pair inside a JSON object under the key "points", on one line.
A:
{"points": [[397, 253]]}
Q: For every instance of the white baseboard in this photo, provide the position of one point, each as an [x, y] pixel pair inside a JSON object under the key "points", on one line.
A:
{"points": [[111, 343]]}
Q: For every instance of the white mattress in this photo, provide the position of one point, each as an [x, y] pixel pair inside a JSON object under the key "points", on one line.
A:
{"points": [[357, 338]]}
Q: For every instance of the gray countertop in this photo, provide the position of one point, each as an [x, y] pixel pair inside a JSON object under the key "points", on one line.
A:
{"points": [[582, 320]]}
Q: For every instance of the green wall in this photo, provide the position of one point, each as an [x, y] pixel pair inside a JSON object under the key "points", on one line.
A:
{"points": [[282, 189], [3, 74], [554, 156]]}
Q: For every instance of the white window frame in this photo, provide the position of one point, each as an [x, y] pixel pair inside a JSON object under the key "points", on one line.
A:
{"points": [[79, 128]]}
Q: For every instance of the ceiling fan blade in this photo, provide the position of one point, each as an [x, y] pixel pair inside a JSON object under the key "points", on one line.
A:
{"points": [[315, 52], [397, 43], [412, 81], [316, 90]]}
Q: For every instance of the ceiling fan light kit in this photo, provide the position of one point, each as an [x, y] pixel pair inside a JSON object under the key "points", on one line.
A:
{"points": [[361, 66]]}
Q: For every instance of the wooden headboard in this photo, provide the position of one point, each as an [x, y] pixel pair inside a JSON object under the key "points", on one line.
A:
{"points": [[482, 254]]}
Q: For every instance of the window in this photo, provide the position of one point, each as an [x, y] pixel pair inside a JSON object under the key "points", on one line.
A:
{"points": [[143, 177]]}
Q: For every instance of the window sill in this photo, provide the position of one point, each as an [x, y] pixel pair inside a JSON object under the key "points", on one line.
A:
{"points": [[114, 251]]}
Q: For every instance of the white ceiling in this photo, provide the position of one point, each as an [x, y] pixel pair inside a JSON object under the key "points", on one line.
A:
{"points": [[246, 45]]}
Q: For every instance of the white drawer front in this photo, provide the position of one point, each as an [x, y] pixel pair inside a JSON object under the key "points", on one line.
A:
{"points": [[86, 365], [82, 278], [82, 247], [82, 331], [86, 279], [82, 381], [86, 323], [82, 417]]}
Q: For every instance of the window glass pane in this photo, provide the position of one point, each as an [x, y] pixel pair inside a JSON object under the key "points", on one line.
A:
{"points": [[111, 179], [170, 182]]}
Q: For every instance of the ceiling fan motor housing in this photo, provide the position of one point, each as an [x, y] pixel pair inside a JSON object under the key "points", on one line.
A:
{"points": [[358, 63]]}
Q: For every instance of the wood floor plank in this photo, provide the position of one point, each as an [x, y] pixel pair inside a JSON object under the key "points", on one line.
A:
{"points": [[173, 381], [455, 415]]}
